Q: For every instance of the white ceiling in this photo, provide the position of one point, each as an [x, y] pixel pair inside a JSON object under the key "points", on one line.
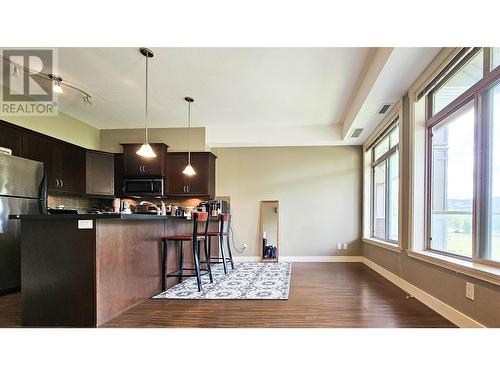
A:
{"points": [[303, 94], [231, 86]]}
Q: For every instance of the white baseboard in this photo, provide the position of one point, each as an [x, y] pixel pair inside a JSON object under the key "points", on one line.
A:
{"points": [[303, 259], [435, 304], [326, 258]]}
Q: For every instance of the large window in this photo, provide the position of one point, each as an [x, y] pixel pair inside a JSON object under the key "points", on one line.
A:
{"points": [[453, 183], [385, 185], [463, 164]]}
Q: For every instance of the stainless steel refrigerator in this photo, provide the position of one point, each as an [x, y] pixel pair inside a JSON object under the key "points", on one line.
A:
{"points": [[22, 191]]}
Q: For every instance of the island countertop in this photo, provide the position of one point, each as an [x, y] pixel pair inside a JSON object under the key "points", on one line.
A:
{"points": [[103, 216]]}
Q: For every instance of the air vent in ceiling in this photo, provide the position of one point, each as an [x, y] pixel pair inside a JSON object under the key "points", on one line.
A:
{"points": [[356, 132], [384, 109]]}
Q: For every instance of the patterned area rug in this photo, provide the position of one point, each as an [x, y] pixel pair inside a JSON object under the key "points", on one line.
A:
{"points": [[248, 280]]}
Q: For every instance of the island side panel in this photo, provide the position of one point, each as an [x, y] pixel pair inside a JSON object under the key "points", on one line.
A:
{"points": [[128, 264], [57, 273]]}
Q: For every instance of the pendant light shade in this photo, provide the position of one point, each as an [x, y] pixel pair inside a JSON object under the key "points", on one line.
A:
{"points": [[189, 170], [145, 150]]}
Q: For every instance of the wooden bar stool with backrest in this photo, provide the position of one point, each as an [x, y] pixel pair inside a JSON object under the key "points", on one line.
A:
{"points": [[196, 239], [224, 227]]}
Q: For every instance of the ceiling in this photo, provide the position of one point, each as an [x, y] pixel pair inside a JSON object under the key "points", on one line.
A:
{"points": [[243, 96]]}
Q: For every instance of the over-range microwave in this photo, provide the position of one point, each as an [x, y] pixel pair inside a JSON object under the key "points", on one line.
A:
{"points": [[143, 187]]}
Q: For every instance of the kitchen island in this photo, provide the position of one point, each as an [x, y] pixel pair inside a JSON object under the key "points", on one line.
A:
{"points": [[83, 270]]}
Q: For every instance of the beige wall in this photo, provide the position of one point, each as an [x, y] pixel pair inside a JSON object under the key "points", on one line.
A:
{"points": [[319, 193], [448, 286], [175, 138], [62, 127]]}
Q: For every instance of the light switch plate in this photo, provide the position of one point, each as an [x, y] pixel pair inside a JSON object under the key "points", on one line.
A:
{"points": [[469, 291], [344, 246], [339, 246], [85, 224]]}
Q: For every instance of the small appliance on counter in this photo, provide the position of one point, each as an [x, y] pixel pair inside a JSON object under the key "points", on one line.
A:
{"points": [[126, 208], [146, 207], [179, 211], [216, 207]]}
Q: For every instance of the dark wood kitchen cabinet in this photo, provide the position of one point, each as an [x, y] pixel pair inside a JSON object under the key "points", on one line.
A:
{"points": [[202, 184], [135, 165], [11, 138], [100, 173], [64, 162]]}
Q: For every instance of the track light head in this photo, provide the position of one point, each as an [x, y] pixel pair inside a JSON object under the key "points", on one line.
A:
{"points": [[56, 84]]}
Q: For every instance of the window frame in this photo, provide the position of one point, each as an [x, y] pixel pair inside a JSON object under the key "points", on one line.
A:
{"points": [[386, 133], [478, 93], [396, 110]]}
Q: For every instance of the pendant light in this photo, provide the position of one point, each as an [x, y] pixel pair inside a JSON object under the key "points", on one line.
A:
{"points": [[146, 151], [189, 170]]}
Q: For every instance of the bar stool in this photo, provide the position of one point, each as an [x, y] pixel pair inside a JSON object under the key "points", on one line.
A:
{"points": [[224, 225], [196, 238]]}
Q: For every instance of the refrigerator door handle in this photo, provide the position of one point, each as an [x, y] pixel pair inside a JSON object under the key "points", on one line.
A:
{"points": [[42, 194]]}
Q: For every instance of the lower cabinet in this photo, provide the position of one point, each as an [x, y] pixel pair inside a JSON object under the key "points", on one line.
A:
{"points": [[202, 184]]}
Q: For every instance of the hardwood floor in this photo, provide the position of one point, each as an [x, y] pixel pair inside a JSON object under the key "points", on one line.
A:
{"points": [[321, 295], [10, 310]]}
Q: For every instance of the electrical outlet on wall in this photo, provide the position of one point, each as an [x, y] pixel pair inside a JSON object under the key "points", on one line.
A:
{"points": [[469, 291], [344, 246], [245, 246], [339, 246]]}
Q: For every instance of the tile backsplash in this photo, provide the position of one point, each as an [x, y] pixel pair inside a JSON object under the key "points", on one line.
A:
{"points": [[82, 205]]}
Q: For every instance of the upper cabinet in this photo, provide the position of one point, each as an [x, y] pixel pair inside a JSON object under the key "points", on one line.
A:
{"points": [[100, 173], [135, 165], [11, 138], [118, 175], [64, 163], [202, 184]]}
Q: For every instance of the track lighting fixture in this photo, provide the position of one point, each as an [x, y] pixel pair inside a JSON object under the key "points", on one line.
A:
{"points": [[57, 82]]}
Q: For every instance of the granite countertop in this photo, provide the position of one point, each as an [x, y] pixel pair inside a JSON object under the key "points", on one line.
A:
{"points": [[100, 216]]}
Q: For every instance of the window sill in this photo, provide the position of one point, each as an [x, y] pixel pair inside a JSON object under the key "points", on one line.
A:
{"points": [[465, 267], [386, 245]]}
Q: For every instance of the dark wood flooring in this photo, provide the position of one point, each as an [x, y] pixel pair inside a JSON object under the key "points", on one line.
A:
{"points": [[321, 295]]}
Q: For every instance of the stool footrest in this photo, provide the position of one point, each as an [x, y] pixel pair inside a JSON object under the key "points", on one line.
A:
{"points": [[227, 259], [178, 273]]}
